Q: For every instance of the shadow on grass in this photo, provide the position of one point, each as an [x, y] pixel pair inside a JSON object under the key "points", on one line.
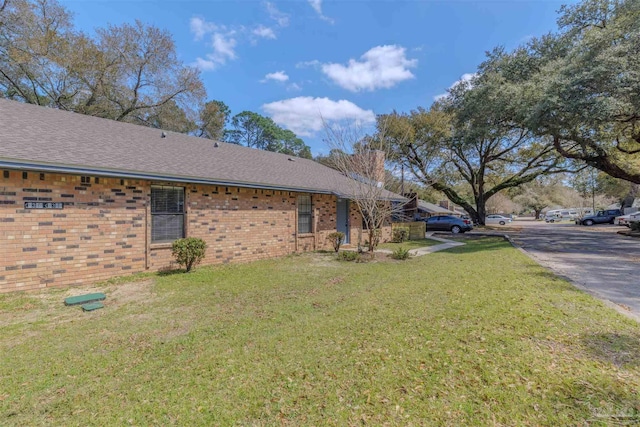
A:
{"points": [[546, 275], [617, 349], [163, 273], [478, 244]]}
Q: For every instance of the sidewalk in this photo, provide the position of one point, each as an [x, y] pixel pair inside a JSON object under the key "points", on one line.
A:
{"points": [[446, 244]]}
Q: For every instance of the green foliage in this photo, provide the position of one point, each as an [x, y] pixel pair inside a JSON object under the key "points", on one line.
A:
{"points": [[470, 134], [579, 87], [189, 251], [400, 235], [348, 256], [256, 131], [401, 254], [540, 193], [336, 238]]}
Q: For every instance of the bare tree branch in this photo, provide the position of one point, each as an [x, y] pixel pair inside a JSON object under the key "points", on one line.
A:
{"points": [[362, 158]]}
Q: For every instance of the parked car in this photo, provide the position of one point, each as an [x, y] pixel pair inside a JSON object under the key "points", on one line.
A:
{"points": [[448, 223], [607, 216], [474, 223], [497, 219], [625, 219]]}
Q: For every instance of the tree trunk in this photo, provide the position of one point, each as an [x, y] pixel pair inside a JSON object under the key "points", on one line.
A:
{"points": [[481, 212], [537, 213], [481, 208]]}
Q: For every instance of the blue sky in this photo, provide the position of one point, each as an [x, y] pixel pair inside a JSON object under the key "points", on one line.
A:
{"points": [[300, 62]]}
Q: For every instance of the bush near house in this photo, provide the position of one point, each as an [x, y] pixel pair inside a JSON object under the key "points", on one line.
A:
{"points": [[336, 239], [348, 256], [400, 235], [189, 252]]}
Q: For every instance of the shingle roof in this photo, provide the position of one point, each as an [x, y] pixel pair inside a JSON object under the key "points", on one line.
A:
{"points": [[34, 137], [431, 208]]}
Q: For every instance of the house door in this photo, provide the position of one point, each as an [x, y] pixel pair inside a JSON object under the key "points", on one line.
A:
{"points": [[342, 218]]}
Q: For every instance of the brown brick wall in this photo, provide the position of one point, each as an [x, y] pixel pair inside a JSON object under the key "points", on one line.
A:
{"points": [[97, 235], [238, 224], [358, 235], [104, 229]]}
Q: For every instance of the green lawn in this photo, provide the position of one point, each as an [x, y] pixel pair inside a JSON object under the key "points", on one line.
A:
{"points": [[476, 335], [409, 244]]}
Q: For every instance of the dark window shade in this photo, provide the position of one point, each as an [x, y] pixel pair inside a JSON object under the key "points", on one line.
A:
{"points": [[167, 214], [304, 214], [166, 228], [167, 200]]}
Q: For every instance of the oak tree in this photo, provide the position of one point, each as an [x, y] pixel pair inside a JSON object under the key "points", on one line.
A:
{"points": [[581, 86]]}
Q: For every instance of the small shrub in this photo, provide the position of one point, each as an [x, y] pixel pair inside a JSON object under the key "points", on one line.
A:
{"points": [[400, 253], [188, 252], [336, 239], [348, 256], [634, 225], [400, 235]]}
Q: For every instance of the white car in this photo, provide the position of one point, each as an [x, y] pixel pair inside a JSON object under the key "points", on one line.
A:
{"points": [[497, 219], [625, 219]]}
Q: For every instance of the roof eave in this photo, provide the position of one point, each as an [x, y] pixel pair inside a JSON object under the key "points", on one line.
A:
{"points": [[113, 173]]}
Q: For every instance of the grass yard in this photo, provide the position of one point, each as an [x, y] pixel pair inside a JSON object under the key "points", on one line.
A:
{"points": [[409, 244], [476, 335]]}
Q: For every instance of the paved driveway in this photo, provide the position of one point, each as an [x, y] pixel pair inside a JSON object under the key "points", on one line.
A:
{"points": [[595, 258]]}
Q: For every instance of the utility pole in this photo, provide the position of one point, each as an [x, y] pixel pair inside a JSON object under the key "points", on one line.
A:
{"points": [[593, 190]]}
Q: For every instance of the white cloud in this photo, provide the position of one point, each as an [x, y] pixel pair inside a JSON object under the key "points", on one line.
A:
{"points": [[200, 27], [466, 77], [223, 47], [224, 39], [381, 67], [317, 6], [204, 64], [294, 87], [305, 64], [264, 32], [282, 19], [223, 50], [305, 115], [278, 76]]}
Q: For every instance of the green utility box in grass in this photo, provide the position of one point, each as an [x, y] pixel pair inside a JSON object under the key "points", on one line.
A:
{"points": [[92, 306], [84, 299]]}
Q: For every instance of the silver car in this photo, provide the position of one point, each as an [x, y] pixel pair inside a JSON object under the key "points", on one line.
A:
{"points": [[497, 219]]}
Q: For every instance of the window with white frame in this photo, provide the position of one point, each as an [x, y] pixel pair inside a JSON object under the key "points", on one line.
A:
{"points": [[304, 214], [167, 213]]}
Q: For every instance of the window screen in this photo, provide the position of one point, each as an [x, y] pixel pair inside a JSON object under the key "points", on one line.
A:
{"points": [[167, 214], [304, 214]]}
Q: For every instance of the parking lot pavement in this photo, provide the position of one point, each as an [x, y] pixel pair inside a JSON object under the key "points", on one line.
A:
{"points": [[595, 258]]}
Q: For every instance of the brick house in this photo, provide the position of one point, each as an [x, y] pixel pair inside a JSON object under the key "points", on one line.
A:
{"points": [[84, 199]]}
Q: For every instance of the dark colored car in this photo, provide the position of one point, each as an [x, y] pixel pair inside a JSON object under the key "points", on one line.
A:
{"points": [[448, 223], [607, 216]]}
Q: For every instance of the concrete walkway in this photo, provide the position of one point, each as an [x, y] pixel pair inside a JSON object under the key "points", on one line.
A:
{"points": [[446, 244]]}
